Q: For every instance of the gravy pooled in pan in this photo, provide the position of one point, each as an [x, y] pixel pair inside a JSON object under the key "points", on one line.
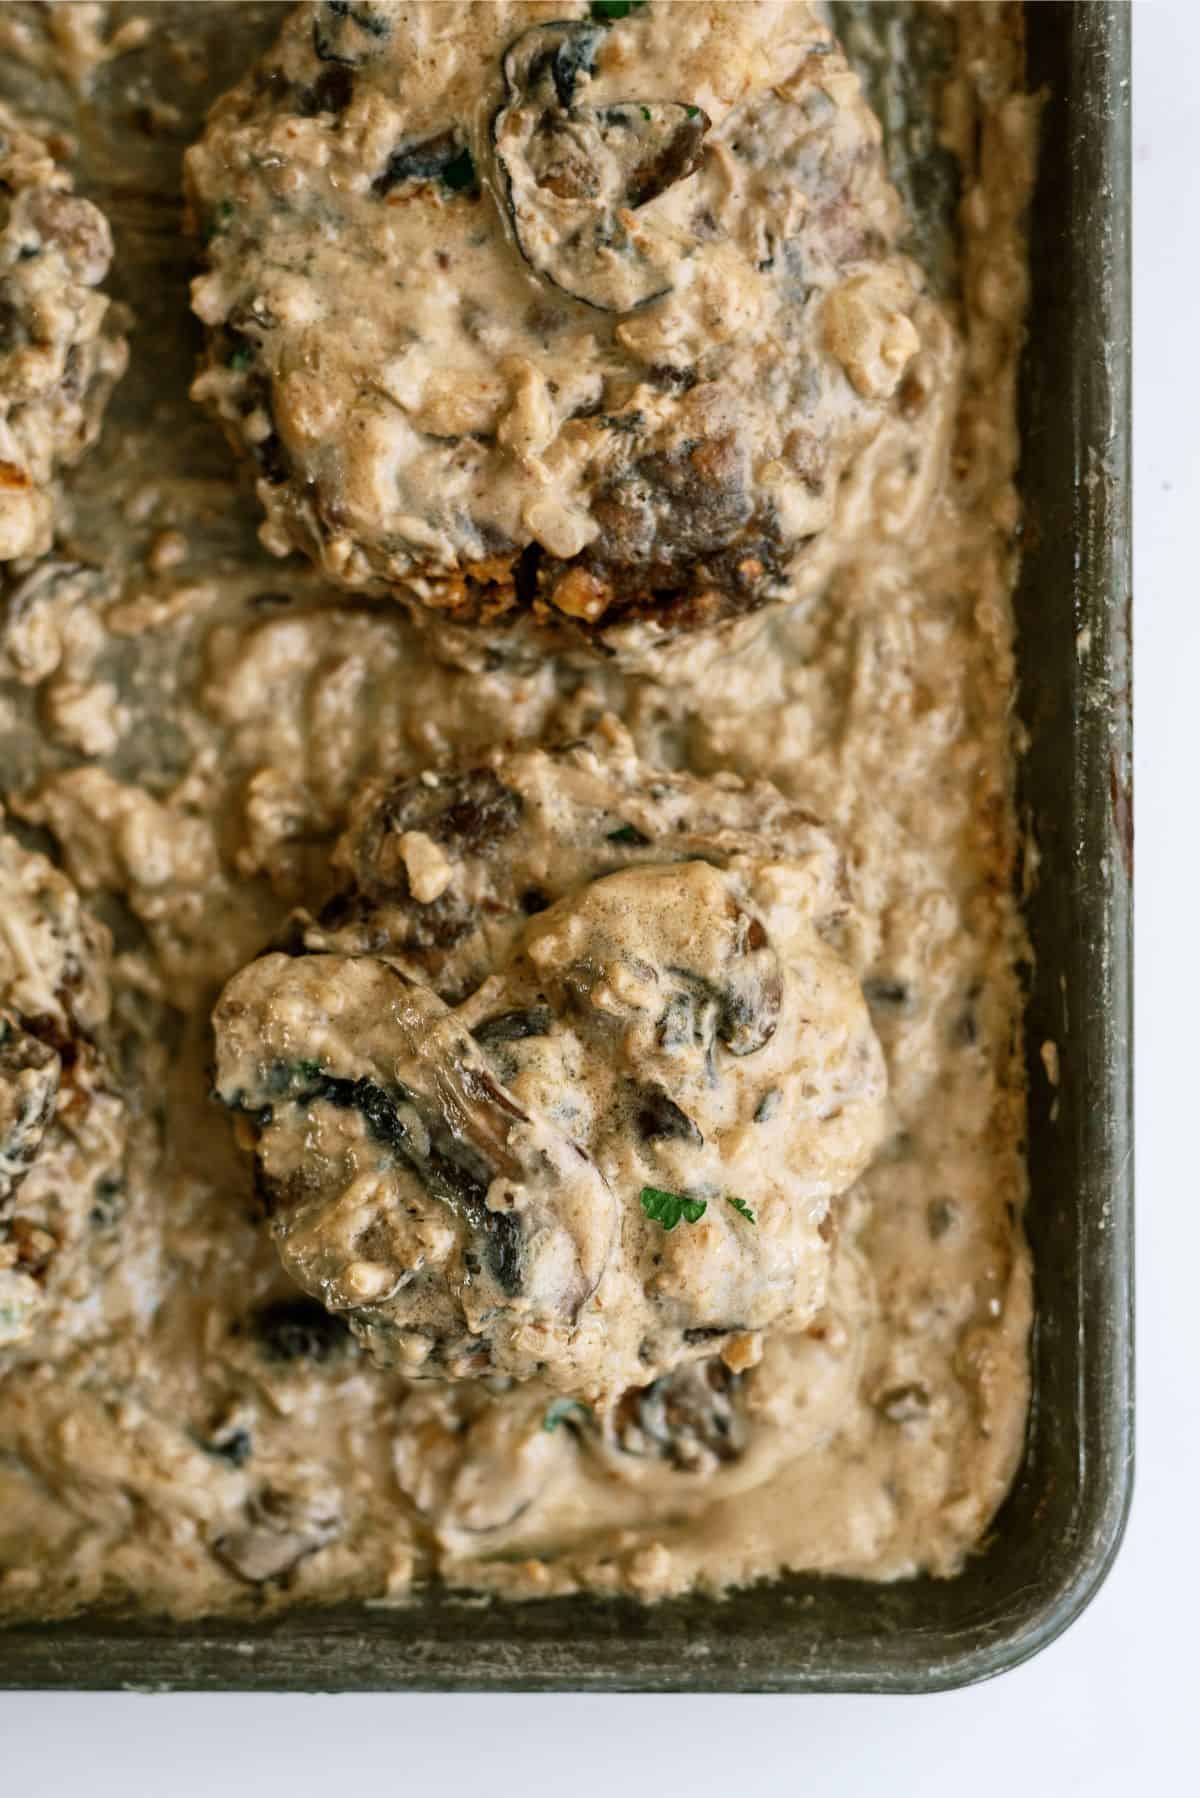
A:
{"points": [[509, 1023]]}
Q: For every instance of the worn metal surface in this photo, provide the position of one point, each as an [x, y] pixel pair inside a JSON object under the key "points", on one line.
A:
{"points": [[1057, 1534]]}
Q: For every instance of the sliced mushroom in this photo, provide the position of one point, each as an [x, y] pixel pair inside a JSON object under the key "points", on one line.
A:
{"points": [[574, 173], [514, 1026], [410, 1190], [280, 1529], [298, 1329], [472, 1461], [660, 1119], [349, 34], [443, 157], [467, 814], [447, 1159], [691, 1419], [707, 959], [331, 92], [742, 1008]]}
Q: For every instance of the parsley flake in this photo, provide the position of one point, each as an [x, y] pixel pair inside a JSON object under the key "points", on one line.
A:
{"points": [[615, 9], [741, 1206], [669, 1208], [647, 114], [693, 112], [571, 1411], [241, 360]]}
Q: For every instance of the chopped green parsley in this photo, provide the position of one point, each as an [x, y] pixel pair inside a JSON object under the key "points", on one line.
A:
{"points": [[671, 1208]]}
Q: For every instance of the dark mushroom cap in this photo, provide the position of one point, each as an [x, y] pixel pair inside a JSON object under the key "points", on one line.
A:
{"points": [[571, 171]]}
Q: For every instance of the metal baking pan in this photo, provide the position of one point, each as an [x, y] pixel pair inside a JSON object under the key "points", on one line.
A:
{"points": [[1057, 1534]]}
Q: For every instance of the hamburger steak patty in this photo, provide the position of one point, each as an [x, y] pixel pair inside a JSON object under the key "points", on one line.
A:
{"points": [[591, 1121], [521, 312]]}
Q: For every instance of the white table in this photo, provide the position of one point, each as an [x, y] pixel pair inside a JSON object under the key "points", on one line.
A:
{"points": [[1119, 1695]]}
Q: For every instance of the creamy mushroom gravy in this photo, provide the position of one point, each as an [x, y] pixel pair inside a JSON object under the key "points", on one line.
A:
{"points": [[185, 724]]}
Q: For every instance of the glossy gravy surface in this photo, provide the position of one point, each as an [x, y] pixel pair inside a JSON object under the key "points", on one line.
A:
{"points": [[184, 723]]}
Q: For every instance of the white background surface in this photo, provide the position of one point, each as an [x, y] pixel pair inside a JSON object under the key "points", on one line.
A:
{"points": [[1117, 1698]]}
